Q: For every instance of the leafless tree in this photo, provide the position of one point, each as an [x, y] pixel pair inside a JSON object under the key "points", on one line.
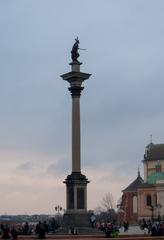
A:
{"points": [[106, 210], [108, 201]]}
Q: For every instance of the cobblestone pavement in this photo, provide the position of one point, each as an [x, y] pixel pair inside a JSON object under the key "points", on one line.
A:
{"points": [[132, 230]]}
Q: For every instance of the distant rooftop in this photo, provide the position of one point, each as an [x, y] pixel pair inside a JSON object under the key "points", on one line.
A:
{"points": [[154, 152], [135, 184]]}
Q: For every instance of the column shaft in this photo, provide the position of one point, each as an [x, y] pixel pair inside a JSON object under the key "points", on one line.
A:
{"points": [[76, 162]]}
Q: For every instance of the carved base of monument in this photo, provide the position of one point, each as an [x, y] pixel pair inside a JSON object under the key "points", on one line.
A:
{"points": [[76, 213], [76, 220]]}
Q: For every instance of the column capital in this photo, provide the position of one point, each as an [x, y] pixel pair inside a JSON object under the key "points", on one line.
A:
{"points": [[75, 91]]}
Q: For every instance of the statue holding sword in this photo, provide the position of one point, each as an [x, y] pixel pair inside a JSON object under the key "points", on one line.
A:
{"points": [[74, 52]]}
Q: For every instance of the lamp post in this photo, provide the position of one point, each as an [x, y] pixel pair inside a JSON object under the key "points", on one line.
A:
{"points": [[152, 214], [58, 209], [159, 206]]}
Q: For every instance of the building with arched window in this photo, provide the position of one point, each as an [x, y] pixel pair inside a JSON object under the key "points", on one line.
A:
{"points": [[144, 198]]}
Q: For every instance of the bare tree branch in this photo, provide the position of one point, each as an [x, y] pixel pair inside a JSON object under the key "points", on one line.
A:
{"points": [[108, 201]]}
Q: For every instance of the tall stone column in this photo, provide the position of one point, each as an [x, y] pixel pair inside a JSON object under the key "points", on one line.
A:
{"points": [[76, 147], [76, 182]]}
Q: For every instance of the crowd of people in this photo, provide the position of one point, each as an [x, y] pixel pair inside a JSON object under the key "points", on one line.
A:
{"points": [[7, 232], [40, 229], [153, 228], [110, 229]]}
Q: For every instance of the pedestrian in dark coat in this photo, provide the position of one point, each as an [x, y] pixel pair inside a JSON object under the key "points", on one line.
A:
{"points": [[14, 233], [5, 233]]}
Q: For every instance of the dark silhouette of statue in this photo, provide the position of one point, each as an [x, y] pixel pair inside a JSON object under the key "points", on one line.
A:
{"points": [[74, 52]]}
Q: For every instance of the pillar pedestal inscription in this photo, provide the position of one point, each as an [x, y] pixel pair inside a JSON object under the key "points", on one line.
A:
{"points": [[76, 182]]}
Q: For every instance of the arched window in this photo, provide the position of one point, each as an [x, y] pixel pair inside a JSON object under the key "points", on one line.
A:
{"points": [[148, 200], [158, 167], [134, 204]]}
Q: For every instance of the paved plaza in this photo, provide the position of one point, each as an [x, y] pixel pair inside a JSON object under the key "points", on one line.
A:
{"points": [[132, 230], [134, 233]]}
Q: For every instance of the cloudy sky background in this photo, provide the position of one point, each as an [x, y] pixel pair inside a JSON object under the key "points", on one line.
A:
{"points": [[121, 105]]}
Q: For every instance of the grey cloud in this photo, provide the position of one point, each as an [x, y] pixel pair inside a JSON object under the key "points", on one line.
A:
{"points": [[25, 167], [62, 166], [10, 188]]}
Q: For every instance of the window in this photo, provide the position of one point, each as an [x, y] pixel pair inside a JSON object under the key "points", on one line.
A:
{"points": [[134, 204], [148, 200], [158, 167]]}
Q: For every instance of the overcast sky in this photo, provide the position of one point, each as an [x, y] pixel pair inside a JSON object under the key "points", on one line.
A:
{"points": [[121, 105]]}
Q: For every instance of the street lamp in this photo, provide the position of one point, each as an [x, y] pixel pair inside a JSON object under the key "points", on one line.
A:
{"points": [[159, 206], [58, 209], [152, 215]]}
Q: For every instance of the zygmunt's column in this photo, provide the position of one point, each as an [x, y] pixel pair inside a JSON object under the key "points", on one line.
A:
{"points": [[76, 183]]}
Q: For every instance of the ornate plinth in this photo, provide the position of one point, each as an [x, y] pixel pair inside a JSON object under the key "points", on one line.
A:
{"points": [[76, 202]]}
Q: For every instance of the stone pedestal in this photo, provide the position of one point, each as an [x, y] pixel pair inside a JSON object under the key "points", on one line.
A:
{"points": [[76, 202], [76, 183]]}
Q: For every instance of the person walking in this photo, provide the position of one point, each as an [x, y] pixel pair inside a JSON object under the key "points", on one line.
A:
{"points": [[14, 233], [5, 232]]}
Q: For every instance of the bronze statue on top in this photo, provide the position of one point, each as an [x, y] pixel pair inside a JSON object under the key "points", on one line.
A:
{"points": [[74, 52]]}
